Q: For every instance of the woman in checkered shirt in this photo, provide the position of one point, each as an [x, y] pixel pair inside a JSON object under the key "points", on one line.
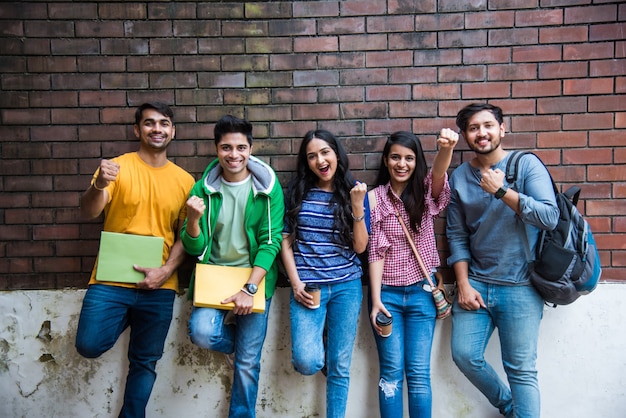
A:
{"points": [[398, 287]]}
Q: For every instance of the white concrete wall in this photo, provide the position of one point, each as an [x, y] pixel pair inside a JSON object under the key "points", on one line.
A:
{"points": [[582, 366]]}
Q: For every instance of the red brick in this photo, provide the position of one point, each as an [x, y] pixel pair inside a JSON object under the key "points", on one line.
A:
{"points": [[269, 45], [437, 92], [173, 80], [558, 105], [563, 34], [25, 117], [483, 20], [590, 14], [563, 70], [588, 121], [53, 167], [607, 103], [512, 72], [171, 10], [99, 29], [267, 10], [315, 111], [363, 77], [524, 36], [607, 138], [293, 62], [462, 39], [74, 47], [388, 59], [124, 81], [386, 127], [460, 74], [314, 8], [290, 130], [588, 156], [102, 98], [384, 93], [341, 94], [412, 109], [74, 116], [362, 42], [588, 51], [122, 11], [485, 90], [607, 68], [587, 86], [247, 97], [125, 46], [341, 26], [293, 95], [535, 123], [612, 31], [486, 55], [35, 46], [412, 41], [341, 60], [315, 78], [193, 28], [364, 111], [539, 53], [413, 75], [539, 17], [613, 207], [536, 88], [270, 113], [411, 6], [561, 139], [95, 64], [292, 27], [357, 7], [439, 22], [154, 63], [48, 29], [275, 79], [53, 99], [53, 133], [389, 24], [228, 10], [317, 44]]}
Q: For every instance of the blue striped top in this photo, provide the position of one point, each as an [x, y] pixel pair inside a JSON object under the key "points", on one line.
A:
{"points": [[319, 256]]}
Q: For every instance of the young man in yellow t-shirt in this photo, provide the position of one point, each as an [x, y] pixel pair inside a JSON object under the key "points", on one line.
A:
{"points": [[140, 193]]}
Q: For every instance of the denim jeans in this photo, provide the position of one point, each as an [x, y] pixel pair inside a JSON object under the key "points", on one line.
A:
{"points": [[516, 311], [106, 312], [244, 338], [406, 352], [340, 304]]}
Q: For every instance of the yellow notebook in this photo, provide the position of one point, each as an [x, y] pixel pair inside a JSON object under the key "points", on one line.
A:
{"points": [[215, 283], [118, 252]]}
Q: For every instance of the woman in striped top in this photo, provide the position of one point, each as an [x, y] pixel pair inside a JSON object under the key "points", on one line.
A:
{"points": [[326, 226]]}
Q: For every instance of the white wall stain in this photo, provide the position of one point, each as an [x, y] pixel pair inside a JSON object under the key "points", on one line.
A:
{"points": [[41, 374]]}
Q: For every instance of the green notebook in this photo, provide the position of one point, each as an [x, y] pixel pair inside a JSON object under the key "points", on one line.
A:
{"points": [[119, 252]]}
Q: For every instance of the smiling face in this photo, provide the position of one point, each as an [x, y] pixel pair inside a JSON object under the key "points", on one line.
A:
{"points": [[401, 164], [155, 130], [322, 161], [484, 133], [233, 152]]}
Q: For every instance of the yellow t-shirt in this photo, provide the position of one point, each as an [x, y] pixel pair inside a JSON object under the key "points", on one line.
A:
{"points": [[145, 200]]}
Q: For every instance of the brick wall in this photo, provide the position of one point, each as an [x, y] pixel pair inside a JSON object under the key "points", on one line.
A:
{"points": [[72, 72]]}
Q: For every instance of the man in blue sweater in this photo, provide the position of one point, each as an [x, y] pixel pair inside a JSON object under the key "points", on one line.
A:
{"points": [[492, 228]]}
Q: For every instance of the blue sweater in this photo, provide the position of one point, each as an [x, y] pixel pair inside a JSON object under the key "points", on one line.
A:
{"points": [[486, 233]]}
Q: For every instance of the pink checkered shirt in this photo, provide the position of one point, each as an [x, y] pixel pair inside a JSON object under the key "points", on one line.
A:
{"points": [[387, 240]]}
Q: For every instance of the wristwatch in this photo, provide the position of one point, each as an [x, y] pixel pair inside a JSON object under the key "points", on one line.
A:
{"points": [[250, 288], [501, 192]]}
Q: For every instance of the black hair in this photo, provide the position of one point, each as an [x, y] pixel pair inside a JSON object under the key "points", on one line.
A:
{"points": [[470, 110], [413, 195], [231, 124], [305, 180], [160, 107]]}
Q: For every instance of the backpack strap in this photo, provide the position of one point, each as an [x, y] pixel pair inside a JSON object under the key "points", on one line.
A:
{"points": [[512, 164]]}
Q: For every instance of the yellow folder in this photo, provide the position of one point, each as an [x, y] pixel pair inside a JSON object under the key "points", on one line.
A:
{"points": [[118, 252], [215, 283]]}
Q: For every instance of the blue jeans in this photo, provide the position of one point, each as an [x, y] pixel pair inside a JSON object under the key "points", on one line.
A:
{"points": [[106, 312], [516, 311], [340, 304], [406, 352], [244, 338]]}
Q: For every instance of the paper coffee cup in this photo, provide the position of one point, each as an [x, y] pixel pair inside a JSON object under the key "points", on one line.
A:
{"points": [[384, 322], [315, 291]]}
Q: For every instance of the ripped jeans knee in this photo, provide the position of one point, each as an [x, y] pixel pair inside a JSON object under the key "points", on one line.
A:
{"points": [[389, 389]]}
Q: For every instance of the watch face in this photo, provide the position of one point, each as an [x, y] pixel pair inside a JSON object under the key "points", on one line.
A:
{"points": [[252, 288]]}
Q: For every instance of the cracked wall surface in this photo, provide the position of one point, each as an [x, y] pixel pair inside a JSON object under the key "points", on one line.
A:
{"points": [[41, 375]]}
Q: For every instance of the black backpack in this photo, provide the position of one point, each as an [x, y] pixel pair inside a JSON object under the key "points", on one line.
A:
{"points": [[567, 262]]}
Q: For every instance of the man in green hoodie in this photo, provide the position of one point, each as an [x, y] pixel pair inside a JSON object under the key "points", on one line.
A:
{"points": [[235, 218]]}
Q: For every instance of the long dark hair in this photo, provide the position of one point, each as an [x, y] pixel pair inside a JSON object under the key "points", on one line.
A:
{"points": [[305, 180], [413, 195]]}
